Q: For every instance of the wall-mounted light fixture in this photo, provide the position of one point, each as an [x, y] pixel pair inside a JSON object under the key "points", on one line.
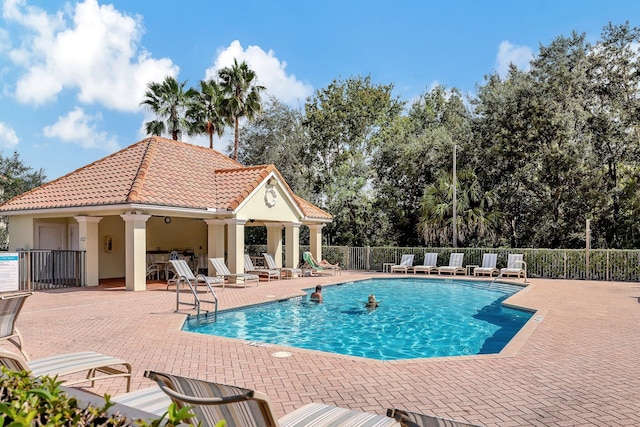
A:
{"points": [[167, 220]]}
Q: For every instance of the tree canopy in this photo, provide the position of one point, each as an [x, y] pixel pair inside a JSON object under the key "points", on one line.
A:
{"points": [[540, 151]]}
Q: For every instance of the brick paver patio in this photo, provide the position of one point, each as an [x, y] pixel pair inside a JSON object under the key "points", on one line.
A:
{"points": [[575, 364]]}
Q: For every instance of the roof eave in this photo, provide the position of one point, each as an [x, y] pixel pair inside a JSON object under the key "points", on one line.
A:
{"points": [[117, 207]]}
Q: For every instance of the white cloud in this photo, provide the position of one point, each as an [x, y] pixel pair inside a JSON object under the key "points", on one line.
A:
{"points": [[520, 56], [80, 128], [269, 69], [8, 137], [93, 49]]}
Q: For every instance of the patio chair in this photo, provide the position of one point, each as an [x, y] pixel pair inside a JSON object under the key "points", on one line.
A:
{"points": [[429, 265], [152, 267], [94, 366], [265, 272], [455, 265], [311, 265], [212, 402], [183, 272], [285, 272], [406, 262], [515, 267], [10, 306], [488, 265], [414, 419], [240, 278]]}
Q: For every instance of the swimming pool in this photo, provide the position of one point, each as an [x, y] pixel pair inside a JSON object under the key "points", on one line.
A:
{"points": [[417, 318]]}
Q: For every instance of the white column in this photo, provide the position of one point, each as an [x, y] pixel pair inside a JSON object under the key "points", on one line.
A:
{"points": [[292, 240], [235, 245], [315, 240], [274, 242], [135, 236], [88, 242], [215, 241]]}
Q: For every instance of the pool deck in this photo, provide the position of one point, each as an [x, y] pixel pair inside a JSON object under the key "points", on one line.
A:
{"points": [[576, 363]]}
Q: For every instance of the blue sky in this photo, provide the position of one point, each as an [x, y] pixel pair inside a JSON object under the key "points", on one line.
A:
{"points": [[73, 73]]}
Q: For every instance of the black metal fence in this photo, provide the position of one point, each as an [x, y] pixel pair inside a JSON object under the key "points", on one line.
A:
{"points": [[51, 269]]}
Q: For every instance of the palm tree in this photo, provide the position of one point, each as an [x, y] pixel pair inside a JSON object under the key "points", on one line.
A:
{"points": [[168, 100], [242, 96], [205, 110], [476, 219]]}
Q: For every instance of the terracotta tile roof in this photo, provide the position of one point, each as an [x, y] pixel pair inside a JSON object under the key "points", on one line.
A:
{"points": [[234, 185], [310, 210], [155, 171]]}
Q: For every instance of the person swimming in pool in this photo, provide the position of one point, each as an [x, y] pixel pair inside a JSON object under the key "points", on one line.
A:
{"points": [[317, 295], [372, 302]]}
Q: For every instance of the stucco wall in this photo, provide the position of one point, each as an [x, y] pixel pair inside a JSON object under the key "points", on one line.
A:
{"points": [[21, 232], [256, 207], [181, 234]]}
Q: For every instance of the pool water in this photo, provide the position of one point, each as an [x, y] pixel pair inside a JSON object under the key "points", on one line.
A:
{"points": [[417, 318]]}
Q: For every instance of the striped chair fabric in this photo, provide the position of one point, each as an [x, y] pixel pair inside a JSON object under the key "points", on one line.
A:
{"points": [[10, 306], [241, 407]]}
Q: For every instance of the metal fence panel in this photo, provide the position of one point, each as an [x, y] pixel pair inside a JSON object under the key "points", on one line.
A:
{"points": [[51, 269]]}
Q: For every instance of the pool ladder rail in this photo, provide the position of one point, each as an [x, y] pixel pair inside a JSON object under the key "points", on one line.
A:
{"points": [[201, 315]]}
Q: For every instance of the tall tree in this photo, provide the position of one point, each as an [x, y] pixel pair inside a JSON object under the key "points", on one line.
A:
{"points": [[168, 101], [614, 125], [242, 96], [342, 120], [411, 152], [205, 113], [278, 137], [15, 178]]}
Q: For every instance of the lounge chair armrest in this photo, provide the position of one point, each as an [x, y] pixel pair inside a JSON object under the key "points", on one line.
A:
{"points": [[197, 400]]}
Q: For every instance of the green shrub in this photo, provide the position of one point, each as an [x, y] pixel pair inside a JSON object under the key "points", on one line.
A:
{"points": [[39, 401]]}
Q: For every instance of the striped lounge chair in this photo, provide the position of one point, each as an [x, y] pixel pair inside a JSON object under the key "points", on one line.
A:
{"points": [[10, 306], [212, 402], [406, 264], [429, 265], [94, 366], [488, 266], [455, 265]]}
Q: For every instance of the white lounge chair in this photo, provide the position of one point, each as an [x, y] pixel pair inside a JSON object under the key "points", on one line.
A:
{"points": [[488, 265], [515, 267], [265, 272], [406, 262], [429, 265], [286, 272], [239, 279], [183, 272], [455, 265]]}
